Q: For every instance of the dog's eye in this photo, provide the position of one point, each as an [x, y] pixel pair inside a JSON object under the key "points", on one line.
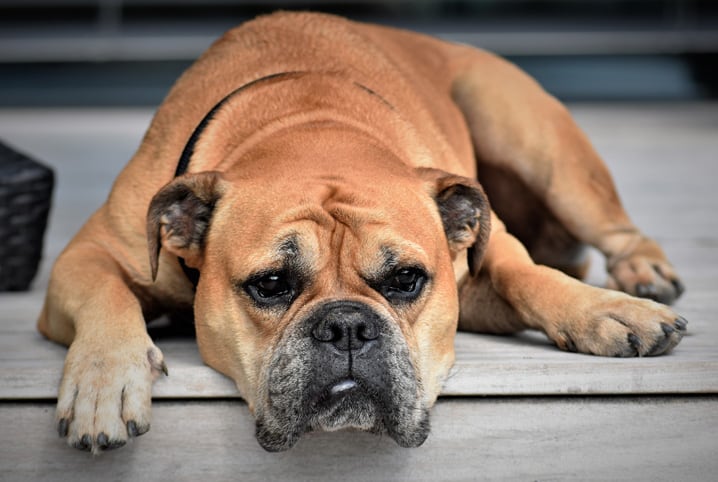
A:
{"points": [[270, 289], [272, 285], [404, 284], [404, 280]]}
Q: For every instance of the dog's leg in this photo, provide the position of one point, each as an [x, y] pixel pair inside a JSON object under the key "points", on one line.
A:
{"points": [[519, 128], [105, 394], [527, 218], [512, 293]]}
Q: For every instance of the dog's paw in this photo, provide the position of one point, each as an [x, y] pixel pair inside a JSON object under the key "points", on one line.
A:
{"points": [[619, 325], [645, 272], [105, 394]]}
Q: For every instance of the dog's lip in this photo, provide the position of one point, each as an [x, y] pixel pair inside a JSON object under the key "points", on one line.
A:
{"points": [[334, 393], [342, 387]]}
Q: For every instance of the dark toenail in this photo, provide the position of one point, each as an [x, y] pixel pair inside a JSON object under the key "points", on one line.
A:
{"points": [[680, 323], [85, 443], [135, 430], [81, 446], [102, 440], [635, 342], [668, 330], [115, 444], [647, 290], [678, 286], [63, 426]]}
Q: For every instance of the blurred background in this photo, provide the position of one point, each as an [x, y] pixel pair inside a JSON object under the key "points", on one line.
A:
{"points": [[128, 52]]}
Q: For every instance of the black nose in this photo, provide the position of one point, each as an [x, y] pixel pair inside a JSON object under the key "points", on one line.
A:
{"points": [[346, 325]]}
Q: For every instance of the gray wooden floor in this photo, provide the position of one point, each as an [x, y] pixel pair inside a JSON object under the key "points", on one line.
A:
{"points": [[514, 408]]}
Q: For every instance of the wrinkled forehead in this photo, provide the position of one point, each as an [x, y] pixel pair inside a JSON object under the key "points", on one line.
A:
{"points": [[314, 223]]}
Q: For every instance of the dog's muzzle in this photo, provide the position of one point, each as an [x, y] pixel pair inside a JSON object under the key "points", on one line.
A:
{"points": [[343, 366]]}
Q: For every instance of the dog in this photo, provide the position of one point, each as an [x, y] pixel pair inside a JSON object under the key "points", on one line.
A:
{"points": [[333, 200]]}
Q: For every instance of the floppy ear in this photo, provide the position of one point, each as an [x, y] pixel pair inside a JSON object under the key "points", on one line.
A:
{"points": [[179, 215], [465, 213]]}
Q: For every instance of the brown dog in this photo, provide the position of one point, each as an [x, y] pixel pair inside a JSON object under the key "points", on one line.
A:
{"points": [[309, 188]]}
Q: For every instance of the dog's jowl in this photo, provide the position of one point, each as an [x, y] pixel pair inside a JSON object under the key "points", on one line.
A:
{"points": [[333, 200]]}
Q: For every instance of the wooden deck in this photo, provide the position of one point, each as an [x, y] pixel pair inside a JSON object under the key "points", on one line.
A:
{"points": [[514, 408]]}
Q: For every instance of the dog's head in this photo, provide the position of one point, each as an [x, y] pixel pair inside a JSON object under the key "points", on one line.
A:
{"points": [[327, 290]]}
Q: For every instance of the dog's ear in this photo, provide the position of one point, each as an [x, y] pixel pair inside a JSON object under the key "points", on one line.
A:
{"points": [[465, 213], [179, 215]]}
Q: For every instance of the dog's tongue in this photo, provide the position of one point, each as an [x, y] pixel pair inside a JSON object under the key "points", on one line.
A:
{"points": [[342, 387]]}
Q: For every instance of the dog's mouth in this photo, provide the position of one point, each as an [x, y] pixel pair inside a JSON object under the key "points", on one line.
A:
{"points": [[314, 386], [345, 404]]}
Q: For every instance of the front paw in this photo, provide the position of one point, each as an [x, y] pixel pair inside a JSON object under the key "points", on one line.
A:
{"points": [[645, 272], [618, 325], [105, 394]]}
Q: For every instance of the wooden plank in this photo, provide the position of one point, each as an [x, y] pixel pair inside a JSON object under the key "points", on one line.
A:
{"points": [[471, 439]]}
